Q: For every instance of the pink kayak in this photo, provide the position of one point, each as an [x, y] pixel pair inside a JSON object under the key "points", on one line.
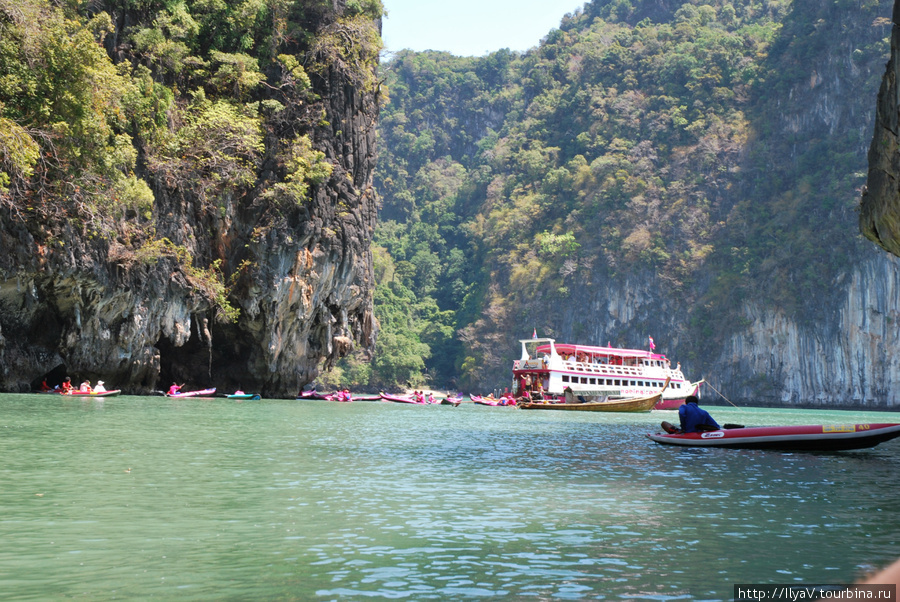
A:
{"points": [[490, 401], [202, 393], [400, 398]]}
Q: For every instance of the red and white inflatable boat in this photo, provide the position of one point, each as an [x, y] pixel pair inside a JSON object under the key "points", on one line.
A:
{"points": [[808, 437]]}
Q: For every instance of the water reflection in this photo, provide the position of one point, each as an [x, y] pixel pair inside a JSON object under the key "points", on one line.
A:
{"points": [[138, 497]]}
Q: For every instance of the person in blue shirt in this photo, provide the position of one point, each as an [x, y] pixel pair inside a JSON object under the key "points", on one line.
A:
{"points": [[694, 419]]}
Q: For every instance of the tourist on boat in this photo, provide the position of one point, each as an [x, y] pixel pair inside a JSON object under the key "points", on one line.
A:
{"points": [[173, 390], [85, 387], [45, 386], [67, 385], [100, 388], [694, 419]]}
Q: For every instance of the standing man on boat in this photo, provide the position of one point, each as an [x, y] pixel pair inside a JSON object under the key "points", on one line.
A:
{"points": [[694, 419]]}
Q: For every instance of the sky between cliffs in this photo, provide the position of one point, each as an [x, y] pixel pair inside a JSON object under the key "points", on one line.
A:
{"points": [[471, 27]]}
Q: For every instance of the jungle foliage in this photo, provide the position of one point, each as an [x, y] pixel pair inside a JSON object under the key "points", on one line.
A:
{"points": [[686, 141], [107, 105]]}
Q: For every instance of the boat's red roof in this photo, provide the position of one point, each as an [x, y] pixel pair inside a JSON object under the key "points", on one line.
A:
{"points": [[617, 351]]}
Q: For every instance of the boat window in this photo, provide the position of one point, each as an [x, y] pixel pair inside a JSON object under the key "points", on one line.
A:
{"points": [[633, 383], [584, 380], [618, 383], [565, 378]]}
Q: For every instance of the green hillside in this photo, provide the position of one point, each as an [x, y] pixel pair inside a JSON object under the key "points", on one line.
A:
{"points": [[715, 148]]}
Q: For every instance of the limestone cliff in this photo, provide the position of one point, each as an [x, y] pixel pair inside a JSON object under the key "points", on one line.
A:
{"points": [[153, 301], [879, 216], [843, 359]]}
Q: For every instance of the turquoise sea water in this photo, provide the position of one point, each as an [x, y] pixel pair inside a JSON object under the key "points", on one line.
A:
{"points": [[149, 497]]}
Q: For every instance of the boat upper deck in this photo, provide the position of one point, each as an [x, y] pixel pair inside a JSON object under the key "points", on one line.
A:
{"points": [[589, 360]]}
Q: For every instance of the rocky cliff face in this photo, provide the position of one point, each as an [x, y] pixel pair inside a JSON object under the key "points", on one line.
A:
{"points": [[847, 358], [879, 216], [299, 272]]}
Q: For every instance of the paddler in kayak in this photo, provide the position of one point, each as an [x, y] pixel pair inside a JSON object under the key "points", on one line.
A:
{"points": [[174, 389], [694, 419]]}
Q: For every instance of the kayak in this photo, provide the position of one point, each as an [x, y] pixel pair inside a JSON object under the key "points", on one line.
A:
{"points": [[333, 397], [399, 398], [807, 437], [254, 396], [112, 393], [202, 393], [489, 401], [451, 401]]}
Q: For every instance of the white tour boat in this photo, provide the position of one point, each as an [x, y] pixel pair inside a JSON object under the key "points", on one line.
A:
{"points": [[598, 373]]}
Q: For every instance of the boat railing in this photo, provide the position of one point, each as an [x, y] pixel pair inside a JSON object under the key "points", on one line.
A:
{"points": [[594, 368], [621, 370]]}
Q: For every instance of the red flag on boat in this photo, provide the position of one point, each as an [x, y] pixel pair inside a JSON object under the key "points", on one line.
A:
{"points": [[652, 346], [534, 334]]}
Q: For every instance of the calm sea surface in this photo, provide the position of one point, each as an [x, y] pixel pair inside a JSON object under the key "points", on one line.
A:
{"points": [[140, 497]]}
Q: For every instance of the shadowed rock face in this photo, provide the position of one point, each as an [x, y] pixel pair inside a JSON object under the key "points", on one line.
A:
{"points": [[879, 215], [299, 272]]}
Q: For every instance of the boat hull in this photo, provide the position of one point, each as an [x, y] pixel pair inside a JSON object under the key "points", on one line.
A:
{"points": [[638, 404], [252, 396], [800, 438], [672, 403]]}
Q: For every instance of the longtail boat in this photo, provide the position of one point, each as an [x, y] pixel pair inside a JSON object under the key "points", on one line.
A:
{"points": [[579, 403]]}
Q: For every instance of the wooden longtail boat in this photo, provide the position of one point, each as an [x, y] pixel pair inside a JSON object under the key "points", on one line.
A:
{"points": [[573, 403]]}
